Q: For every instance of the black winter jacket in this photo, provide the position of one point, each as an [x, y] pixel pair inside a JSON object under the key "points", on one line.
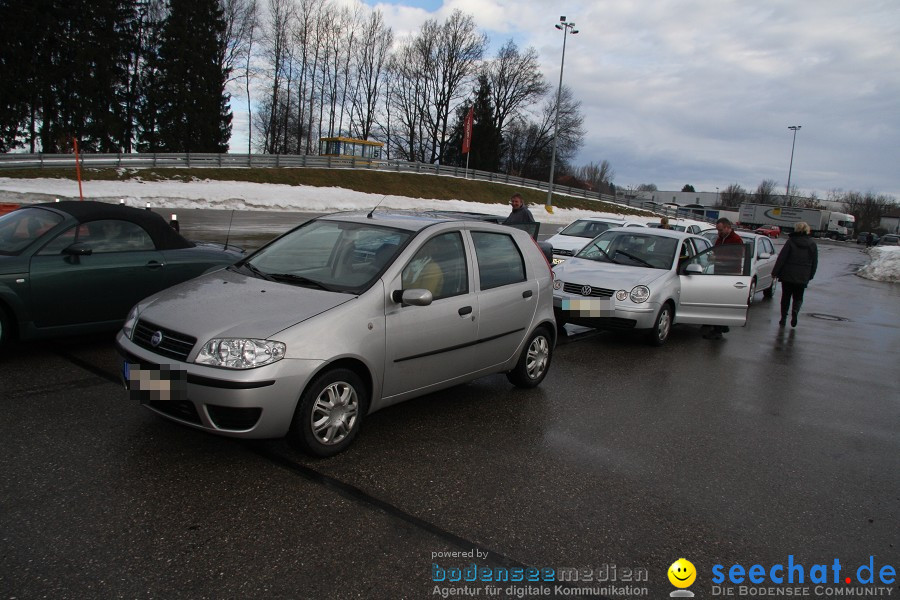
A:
{"points": [[798, 260]]}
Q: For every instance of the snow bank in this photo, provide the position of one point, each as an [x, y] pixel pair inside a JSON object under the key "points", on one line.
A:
{"points": [[237, 195], [884, 264]]}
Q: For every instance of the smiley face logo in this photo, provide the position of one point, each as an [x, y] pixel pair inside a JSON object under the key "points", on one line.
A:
{"points": [[682, 573]]}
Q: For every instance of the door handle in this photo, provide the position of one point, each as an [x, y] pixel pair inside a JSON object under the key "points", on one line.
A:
{"points": [[527, 294], [739, 285], [465, 310], [154, 265]]}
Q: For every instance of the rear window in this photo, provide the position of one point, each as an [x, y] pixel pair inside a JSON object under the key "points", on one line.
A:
{"points": [[499, 260]]}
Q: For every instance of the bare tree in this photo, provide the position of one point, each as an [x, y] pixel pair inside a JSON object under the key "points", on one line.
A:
{"points": [[458, 50], [242, 22], [867, 208], [765, 192], [600, 177], [733, 196], [276, 54], [372, 57], [516, 82], [647, 187]]}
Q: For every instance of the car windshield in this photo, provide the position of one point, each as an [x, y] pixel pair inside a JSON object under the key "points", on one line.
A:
{"points": [[584, 228], [632, 248], [331, 255], [20, 228]]}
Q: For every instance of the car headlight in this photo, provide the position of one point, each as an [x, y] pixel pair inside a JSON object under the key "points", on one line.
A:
{"points": [[640, 294], [240, 353], [130, 322], [621, 295]]}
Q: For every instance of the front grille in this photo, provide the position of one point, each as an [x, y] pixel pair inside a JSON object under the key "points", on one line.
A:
{"points": [[238, 419], [562, 252], [174, 345], [596, 292], [178, 409]]}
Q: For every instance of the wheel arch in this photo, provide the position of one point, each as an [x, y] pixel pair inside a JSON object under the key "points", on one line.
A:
{"points": [[357, 366]]}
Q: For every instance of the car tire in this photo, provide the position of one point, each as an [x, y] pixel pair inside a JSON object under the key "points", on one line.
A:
{"points": [[534, 362], [329, 413], [769, 291], [752, 292], [662, 327]]}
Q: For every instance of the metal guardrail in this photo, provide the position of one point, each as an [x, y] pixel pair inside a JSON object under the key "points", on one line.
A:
{"points": [[212, 160]]}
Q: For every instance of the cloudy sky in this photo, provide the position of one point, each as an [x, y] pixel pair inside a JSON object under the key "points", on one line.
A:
{"points": [[702, 92]]}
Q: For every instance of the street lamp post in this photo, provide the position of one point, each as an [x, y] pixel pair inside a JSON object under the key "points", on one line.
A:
{"points": [[787, 191], [565, 26]]}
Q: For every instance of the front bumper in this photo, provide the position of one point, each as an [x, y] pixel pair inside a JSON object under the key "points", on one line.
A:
{"points": [[250, 403], [605, 313]]}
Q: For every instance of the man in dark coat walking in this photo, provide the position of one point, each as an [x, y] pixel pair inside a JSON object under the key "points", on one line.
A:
{"points": [[795, 267]]}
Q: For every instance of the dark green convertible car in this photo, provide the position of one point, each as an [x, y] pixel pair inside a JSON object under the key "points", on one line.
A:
{"points": [[78, 267]]}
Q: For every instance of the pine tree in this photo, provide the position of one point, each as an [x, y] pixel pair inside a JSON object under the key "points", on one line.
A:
{"points": [[486, 137], [189, 98]]}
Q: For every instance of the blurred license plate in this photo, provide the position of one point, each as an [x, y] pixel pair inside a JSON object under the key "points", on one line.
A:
{"points": [[558, 261], [589, 307], [161, 382]]}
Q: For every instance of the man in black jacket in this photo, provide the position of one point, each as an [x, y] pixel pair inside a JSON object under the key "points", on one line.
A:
{"points": [[520, 213], [795, 267]]}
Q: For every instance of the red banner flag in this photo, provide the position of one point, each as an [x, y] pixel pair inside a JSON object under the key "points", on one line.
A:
{"points": [[467, 131]]}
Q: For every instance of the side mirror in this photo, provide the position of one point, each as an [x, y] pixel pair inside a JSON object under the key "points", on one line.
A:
{"points": [[78, 249], [693, 269], [414, 297], [547, 249], [765, 255]]}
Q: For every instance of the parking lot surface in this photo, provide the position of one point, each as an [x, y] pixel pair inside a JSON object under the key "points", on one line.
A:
{"points": [[773, 442]]}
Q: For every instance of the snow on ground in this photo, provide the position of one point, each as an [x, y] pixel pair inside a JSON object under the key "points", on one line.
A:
{"points": [[884, 264], [228, 195]]}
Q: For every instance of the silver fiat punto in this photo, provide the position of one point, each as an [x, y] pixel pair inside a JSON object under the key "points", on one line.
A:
{"points": [[342, 316]]}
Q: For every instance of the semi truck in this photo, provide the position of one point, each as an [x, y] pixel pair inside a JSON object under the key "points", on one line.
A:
{"points": [[822, 223]]}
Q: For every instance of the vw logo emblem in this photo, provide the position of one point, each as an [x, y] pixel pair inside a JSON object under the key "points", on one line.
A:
{"points": [[157, 339], [585, 290]]}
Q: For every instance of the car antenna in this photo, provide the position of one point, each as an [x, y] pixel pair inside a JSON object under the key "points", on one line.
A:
{"points": [[371, 212], [228, 234]]}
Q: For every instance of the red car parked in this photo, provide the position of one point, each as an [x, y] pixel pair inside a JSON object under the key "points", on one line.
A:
{"points": [[773, 231]]}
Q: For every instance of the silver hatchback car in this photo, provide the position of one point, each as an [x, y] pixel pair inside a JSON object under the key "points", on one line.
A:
{"points": [[649, 279], [338, 318]]}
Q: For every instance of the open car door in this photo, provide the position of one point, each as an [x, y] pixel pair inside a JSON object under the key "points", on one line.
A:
{"points": [[715, 286]]}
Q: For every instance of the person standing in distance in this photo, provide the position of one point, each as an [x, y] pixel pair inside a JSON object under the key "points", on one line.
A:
{"points": [[520, 213], [727, 235], [795, 267]]}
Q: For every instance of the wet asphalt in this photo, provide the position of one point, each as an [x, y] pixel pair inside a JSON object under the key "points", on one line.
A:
{"points": [[769, 443]]}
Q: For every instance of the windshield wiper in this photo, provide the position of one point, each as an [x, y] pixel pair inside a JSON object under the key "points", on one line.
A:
{"points": [[300, 280], [608, 257], [633, 257], [256, 271]]}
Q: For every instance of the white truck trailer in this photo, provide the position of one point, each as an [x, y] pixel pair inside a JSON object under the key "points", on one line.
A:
{"points": [[822, 223]]}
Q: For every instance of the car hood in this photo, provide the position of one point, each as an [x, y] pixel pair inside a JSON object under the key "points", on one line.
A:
{"points": [[229, 304], [568, 242], [606, 275]]}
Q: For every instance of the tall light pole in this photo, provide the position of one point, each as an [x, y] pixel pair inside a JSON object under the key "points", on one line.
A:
{"points": [[565, 26], [787, 192]]}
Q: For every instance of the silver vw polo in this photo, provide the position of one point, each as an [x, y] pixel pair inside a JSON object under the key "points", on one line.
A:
{"points": [[650, 279], [340, 317]]}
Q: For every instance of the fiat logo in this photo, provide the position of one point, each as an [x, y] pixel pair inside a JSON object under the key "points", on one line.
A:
{"points": [[586, 290], [157, 339]]}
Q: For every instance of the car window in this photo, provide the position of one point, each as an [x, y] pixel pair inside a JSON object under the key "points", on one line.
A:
{"points": [[338, 255], [20, 228], [499, 260], [113, 235], [701, 244], [439, 267], [726, 259], [63, 240], [633, 248], [586, 229]]}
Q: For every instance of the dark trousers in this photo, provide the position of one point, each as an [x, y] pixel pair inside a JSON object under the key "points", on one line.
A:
{"points": [[791, 291]]}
